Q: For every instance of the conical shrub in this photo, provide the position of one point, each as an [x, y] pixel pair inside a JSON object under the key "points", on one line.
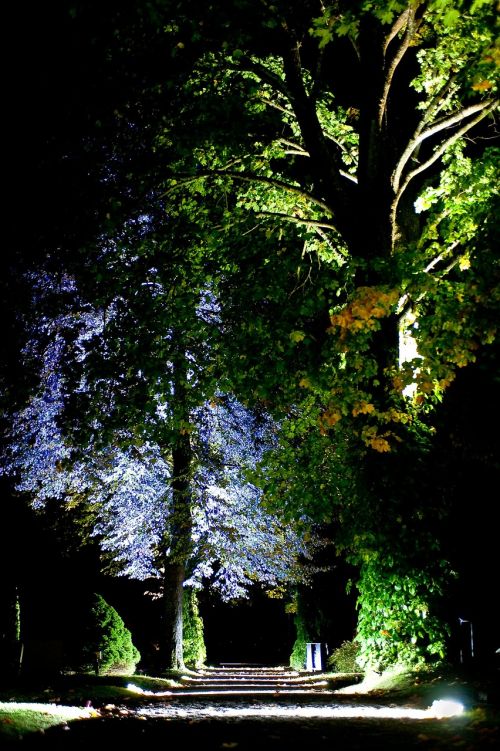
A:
{"points": [[108, 646]]}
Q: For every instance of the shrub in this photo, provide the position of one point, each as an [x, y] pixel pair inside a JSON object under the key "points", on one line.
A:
{"points": [[107, 636], [298, 656], [193, 642], [343, 659]]}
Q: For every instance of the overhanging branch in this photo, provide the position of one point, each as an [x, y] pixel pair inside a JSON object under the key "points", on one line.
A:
{"points": [[250, 178], [435, 156], [297, 219], [264, 74], [396, 27], [326, 161], [483, 108]]}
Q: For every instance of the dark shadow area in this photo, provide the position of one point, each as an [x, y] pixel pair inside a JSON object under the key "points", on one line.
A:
{"points": [[467, 474], [257, 630]]}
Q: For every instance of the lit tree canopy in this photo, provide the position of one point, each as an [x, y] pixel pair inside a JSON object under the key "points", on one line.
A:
{"points": [[355, 204], [353, 141], [127, 495], [123, 477]]}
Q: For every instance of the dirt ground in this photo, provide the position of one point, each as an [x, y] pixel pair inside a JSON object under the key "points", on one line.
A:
{"points": [[267, 734], [214, 725]]}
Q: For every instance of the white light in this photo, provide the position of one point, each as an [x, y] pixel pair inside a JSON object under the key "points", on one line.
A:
{"points": [[145, 692], [442, 708], [134, 688], [439, 710]]}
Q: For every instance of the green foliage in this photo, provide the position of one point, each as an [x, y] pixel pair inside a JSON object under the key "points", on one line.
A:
{"points": [[299, 649], [194, 649], [396, 624], [391, 533], [11, 621], [344, 658], [17, 626], [458, 314], [108, 640], [387, 521]]}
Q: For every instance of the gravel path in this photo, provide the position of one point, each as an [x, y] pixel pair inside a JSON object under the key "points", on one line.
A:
{"points": [[217, 711]]}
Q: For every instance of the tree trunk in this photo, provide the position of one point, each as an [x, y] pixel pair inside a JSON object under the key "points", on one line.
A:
{"points": [[179, 536], [175, 573]]}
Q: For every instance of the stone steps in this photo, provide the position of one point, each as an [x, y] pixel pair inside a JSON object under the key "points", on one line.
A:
{"points": [[259, 682]]}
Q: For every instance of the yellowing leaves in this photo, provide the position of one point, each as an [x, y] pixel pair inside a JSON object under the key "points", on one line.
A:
{"points": [[277, 593], [399, 383], [363, 408], [489, 336], [376, 441], [328, 419], [482, 85], [331, 417], [395, 415], [379, 444], [445, 382], [368, 305], [297, 336]]}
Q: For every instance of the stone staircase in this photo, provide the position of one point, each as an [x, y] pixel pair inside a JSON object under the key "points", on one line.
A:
{"points": [[246, 682]]}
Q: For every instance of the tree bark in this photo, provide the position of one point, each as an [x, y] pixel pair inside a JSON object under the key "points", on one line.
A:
{"points": [[175, 573], [179, 536], [372, 238]]}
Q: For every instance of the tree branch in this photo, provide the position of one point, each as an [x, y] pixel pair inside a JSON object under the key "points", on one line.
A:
{"points": [[437, 103], [484, 108], [293, 145], [251, 178], [396, 27], [325, 163], [298, 220], [275, 105], [412, 25], [341, 257], [296, 150], [348, 176], [264, 74], [440, 257]]}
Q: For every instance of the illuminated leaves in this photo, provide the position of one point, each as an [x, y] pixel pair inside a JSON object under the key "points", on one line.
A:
{"points": [[368, 305], [482, 85], [363, 408], [376, 441], [297, 336], [329, 418], [395, 624], [274, 219]]}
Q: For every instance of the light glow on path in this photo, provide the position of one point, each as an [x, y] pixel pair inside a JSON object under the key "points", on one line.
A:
{"points": [[440, 709]]}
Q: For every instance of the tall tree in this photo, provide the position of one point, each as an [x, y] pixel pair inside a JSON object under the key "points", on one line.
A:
{"points": [[165, 489], [353, 147]]}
